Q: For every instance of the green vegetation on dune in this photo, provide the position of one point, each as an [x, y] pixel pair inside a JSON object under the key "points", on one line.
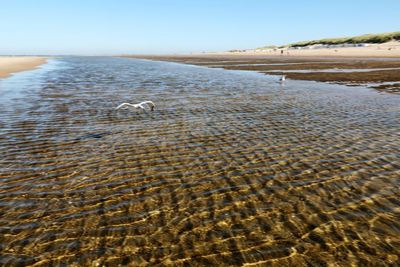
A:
{"points": [[366, 38]]}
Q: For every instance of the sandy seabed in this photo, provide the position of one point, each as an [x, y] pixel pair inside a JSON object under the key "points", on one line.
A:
{"points": [[230, 169]]}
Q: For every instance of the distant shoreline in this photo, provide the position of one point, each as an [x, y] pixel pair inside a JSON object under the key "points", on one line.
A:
{"points": [[13, 64], [383, 50]]}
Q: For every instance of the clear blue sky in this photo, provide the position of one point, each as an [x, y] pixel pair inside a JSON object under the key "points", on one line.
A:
{"points": [[181, 26]]}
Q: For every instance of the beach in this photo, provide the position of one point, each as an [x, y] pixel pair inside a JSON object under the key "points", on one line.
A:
{"points": [[12, 64], [387, 50], [200, 133], [354, 66]]}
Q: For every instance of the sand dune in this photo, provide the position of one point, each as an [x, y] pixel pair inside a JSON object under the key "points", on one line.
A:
{"points": [[9, 64], [389, 49]]}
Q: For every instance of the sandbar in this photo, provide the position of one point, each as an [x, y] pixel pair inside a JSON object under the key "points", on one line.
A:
{"points": [[12, 64]]}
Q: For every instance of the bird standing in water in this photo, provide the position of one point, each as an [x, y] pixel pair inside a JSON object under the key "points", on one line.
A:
{"points": [[283, 78]]}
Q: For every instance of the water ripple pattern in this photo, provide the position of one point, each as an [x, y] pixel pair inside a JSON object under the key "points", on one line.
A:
{"points": [[231, 169]]}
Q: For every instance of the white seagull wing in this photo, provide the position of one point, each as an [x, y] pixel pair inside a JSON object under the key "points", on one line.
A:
{"points": [[126, 104]]}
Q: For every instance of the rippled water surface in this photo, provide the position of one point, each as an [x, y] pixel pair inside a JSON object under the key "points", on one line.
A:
{"points": [[232, 168]]}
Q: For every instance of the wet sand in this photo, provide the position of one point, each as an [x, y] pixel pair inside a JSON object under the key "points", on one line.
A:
{"points": [[10, 64], [348, 71]]}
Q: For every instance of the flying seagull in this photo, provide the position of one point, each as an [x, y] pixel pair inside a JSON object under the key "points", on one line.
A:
{"points": [[141, 105]]}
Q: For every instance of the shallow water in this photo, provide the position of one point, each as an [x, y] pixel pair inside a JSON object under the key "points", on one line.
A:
{"points": [[232, 168]]}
